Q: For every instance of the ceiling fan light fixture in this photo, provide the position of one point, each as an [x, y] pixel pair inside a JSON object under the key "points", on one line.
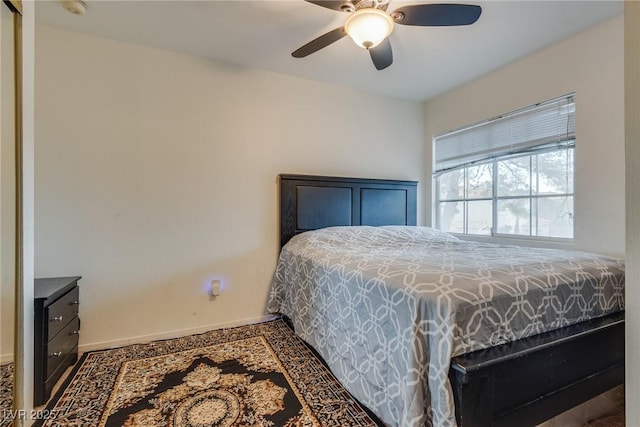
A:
{"points": [[369, 27]]}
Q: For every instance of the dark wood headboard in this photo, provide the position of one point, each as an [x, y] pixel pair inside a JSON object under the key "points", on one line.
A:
{"points": [[309, 202]]}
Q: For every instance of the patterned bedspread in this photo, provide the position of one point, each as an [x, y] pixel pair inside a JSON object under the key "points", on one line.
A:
{"points": [[388, 307]]}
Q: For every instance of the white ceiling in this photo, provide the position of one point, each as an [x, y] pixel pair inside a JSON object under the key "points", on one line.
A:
{"points": [[262, 34]]}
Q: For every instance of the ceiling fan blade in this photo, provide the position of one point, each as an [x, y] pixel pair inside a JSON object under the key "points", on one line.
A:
{"points": [[320, 42], [382, 55], [339, 5], [437, 15]]}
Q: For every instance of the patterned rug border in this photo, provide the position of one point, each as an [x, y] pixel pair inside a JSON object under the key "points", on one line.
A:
{"points": [[192, 341]]}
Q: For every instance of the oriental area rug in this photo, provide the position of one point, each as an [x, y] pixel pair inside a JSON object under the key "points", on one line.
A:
{"points": [[256, 375]]}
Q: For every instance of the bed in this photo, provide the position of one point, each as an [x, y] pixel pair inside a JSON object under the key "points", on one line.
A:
{"points": [[472, 334]]}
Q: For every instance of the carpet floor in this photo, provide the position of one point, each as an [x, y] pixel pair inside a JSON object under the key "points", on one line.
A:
{"points": [[6, 393], [615, 420], [256, 375]]}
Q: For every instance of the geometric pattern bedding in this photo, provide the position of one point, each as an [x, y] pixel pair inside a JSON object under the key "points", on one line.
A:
{"points": [[388, 307]]}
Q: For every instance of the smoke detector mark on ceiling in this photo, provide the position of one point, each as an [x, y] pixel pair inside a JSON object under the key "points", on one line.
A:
{"points": [[77, 7]]}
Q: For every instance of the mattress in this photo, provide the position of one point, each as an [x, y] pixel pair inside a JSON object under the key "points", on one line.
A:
{"points": [[388, 307]]}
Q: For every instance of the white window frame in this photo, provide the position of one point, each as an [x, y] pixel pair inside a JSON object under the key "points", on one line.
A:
{"points": [[459, 159]]}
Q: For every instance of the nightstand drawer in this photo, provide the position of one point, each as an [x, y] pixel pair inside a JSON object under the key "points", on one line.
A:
{"points": [[61, 312], [57, 351], [55, 335]]}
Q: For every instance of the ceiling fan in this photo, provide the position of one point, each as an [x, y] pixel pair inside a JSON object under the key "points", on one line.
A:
{"points": [[369, 24]]}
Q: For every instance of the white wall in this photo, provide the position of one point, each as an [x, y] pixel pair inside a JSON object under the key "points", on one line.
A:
{"points": [[591, 64], [156, 172]]}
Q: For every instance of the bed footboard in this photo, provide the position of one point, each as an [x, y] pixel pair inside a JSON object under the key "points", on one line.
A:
{"points": [[528, 381]]}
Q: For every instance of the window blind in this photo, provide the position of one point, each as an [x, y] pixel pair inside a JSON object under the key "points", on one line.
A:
{"points": [[550, 123]]}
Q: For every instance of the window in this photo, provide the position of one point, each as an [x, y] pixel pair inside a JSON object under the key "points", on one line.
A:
{"points": [[512, 175]]}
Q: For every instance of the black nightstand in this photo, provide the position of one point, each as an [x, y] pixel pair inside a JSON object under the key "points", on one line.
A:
{"points": [[56, 332]]}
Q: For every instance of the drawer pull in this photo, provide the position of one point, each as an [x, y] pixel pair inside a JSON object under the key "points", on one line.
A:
{"points": [[57, 319], [56, 354], [75, 303], [75, 332]]}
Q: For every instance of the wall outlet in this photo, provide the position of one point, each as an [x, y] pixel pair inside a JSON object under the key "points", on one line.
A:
{"points": [[214, 289]]}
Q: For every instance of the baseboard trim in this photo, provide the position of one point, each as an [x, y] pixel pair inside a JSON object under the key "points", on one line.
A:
{"points": [[6, 358], [140, 339]]}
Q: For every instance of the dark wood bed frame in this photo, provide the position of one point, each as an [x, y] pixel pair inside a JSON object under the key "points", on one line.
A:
{"points": [[522, 383]]}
